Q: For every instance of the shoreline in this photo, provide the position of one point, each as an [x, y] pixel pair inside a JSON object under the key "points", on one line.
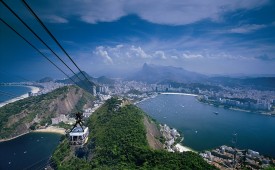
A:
{"points": [[50, 129], [183, 148], [8, 139], [144, 99], [164, 93], [33, 89], [180, 147], [183, 94], [239, 109]]}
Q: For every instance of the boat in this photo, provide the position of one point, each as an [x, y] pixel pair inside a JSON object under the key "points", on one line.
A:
{"points": [[216, 113]]}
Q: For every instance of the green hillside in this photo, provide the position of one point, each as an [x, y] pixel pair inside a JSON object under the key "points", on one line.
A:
{"points": [[118, 141], [32, 112]]}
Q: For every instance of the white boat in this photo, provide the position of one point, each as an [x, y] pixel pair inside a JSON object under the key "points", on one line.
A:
{"points": [[216, 113]]}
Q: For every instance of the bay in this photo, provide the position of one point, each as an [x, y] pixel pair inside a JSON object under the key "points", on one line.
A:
{"points": [[30, 151], [14, 90], [204, 130]]}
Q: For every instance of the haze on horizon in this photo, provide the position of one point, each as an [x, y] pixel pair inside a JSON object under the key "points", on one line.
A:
{"points": [[117, 37]]}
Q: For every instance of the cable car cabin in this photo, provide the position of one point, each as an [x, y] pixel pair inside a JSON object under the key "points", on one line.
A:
{"points": [[78, 136]]}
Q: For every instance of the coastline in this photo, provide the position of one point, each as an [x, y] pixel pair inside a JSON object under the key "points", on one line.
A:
{"points": [[239, 109], [184, 94], [50, 129], [144, 99], [33, 90], [165, 93], [180, 147], [183, 148], [8, 139]]}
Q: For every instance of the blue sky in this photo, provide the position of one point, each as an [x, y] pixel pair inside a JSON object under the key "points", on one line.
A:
{"points": [[113, 37]]}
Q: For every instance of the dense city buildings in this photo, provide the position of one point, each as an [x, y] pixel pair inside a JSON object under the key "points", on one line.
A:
{"points": [[226, 157]]}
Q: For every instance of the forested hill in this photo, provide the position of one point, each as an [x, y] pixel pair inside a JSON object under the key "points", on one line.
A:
{"points": [[118, 141], [32, 112]]}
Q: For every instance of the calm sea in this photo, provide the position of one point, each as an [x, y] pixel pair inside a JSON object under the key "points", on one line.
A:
{"points": [[14, 90], [203, 129], [30, 151]]}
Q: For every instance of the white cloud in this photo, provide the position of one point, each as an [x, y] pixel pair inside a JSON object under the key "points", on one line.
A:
{"points": [[56, 19], [160, 54], [120, 54], [244, 29], [209, 59], [189, 55], [100, 51], [175, 12], [138, 52], [100, 11], [174, 57]]}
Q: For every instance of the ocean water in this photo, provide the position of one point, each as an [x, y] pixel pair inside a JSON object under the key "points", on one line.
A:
{"points": [[30, 151], [203, 130], [15, 90]]}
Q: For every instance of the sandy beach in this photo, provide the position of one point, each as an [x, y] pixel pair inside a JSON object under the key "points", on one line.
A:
{"points": [[33, 90], [183, 148], [184, 94], [52, 129]]}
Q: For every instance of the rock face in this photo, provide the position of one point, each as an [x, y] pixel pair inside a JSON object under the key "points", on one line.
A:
{"points": [[152, 134], [22, 116]]}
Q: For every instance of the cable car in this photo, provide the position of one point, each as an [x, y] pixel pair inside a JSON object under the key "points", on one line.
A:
{"points": [[78, 135]]}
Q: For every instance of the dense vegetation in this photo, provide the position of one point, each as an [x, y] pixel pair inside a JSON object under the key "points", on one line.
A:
{"points": [[18, 117], [118, 141]]}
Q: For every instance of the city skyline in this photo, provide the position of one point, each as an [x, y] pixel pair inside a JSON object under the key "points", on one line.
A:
{"points": [[114, 37]]}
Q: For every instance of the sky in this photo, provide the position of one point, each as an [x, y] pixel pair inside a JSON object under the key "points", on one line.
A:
{"points": [[116, 37]]}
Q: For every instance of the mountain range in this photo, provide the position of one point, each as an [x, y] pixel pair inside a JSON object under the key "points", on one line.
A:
{"points": [[99, 80], [150, 73], [156, 74]]}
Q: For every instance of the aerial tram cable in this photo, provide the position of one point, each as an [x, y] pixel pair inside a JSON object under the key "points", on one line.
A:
{"points": [[56, 41], [78, 135], [78, 118], [13, 95], [37, 50], [26, 25]]}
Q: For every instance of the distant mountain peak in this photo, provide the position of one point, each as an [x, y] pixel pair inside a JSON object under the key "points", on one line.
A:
{"points": [[151, 73], [100, 80], [45, 79], [145, 65]]}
